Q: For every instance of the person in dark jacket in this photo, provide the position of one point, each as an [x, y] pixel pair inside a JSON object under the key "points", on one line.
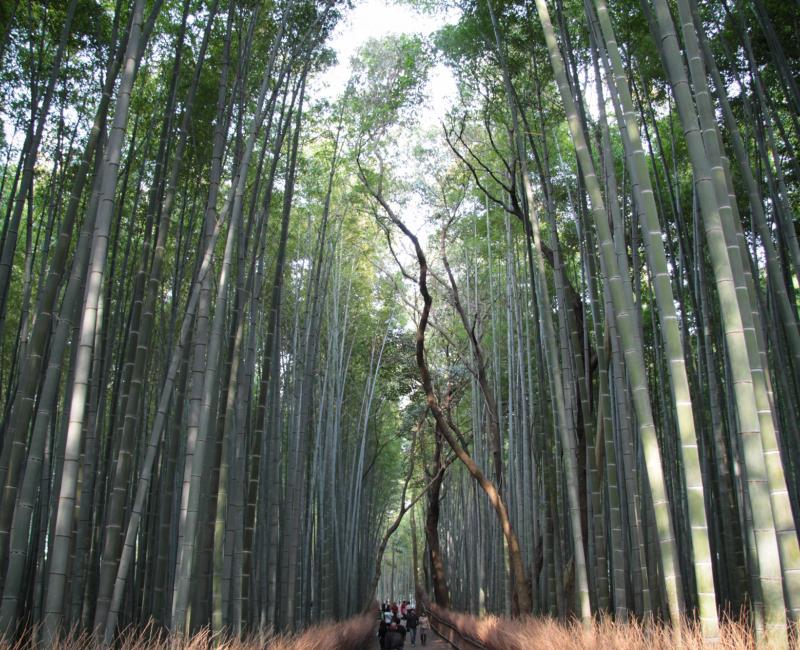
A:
{"points": [[382, 630], [411, 624], [395, 637]]}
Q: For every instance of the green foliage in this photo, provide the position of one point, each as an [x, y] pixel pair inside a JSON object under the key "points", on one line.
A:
{"points": [[387, 82]]}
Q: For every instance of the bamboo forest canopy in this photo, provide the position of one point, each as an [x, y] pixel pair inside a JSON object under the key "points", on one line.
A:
{"points": [[273, 347]]}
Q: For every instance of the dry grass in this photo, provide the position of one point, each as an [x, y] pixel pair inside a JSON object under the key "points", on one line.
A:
{"points": [[499, 633], [357, 633]]}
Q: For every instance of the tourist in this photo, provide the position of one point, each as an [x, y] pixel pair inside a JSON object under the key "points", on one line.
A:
{"points": [[395, 636], [411, 623], [401, 628], [424, 626], [383, 628]]}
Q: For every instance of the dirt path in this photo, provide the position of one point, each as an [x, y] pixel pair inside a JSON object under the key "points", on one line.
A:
{"points": [[434, 641]]}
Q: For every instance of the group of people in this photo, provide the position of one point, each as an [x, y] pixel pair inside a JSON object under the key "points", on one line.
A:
{"points": [[397, 621]]}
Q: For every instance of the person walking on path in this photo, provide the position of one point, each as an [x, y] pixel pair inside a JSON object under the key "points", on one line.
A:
{"points": [[401, 628], [424, 626], [395, 636], [411, 623], [383, 628]]}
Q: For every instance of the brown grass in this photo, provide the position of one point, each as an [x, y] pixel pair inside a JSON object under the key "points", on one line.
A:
{"points": [[500, 633], [357, 633]]}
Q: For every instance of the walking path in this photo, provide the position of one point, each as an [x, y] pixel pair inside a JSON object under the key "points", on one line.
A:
{"points": [[433, 641]]}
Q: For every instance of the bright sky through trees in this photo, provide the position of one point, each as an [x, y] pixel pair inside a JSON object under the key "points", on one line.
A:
{"points": [[376, 19]]}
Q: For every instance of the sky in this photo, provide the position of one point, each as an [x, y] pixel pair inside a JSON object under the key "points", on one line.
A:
{"points": [[376, 19], [379, 18]]}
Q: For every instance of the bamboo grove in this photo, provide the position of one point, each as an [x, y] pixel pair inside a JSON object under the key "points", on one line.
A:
{"points": [[266, 356]]}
